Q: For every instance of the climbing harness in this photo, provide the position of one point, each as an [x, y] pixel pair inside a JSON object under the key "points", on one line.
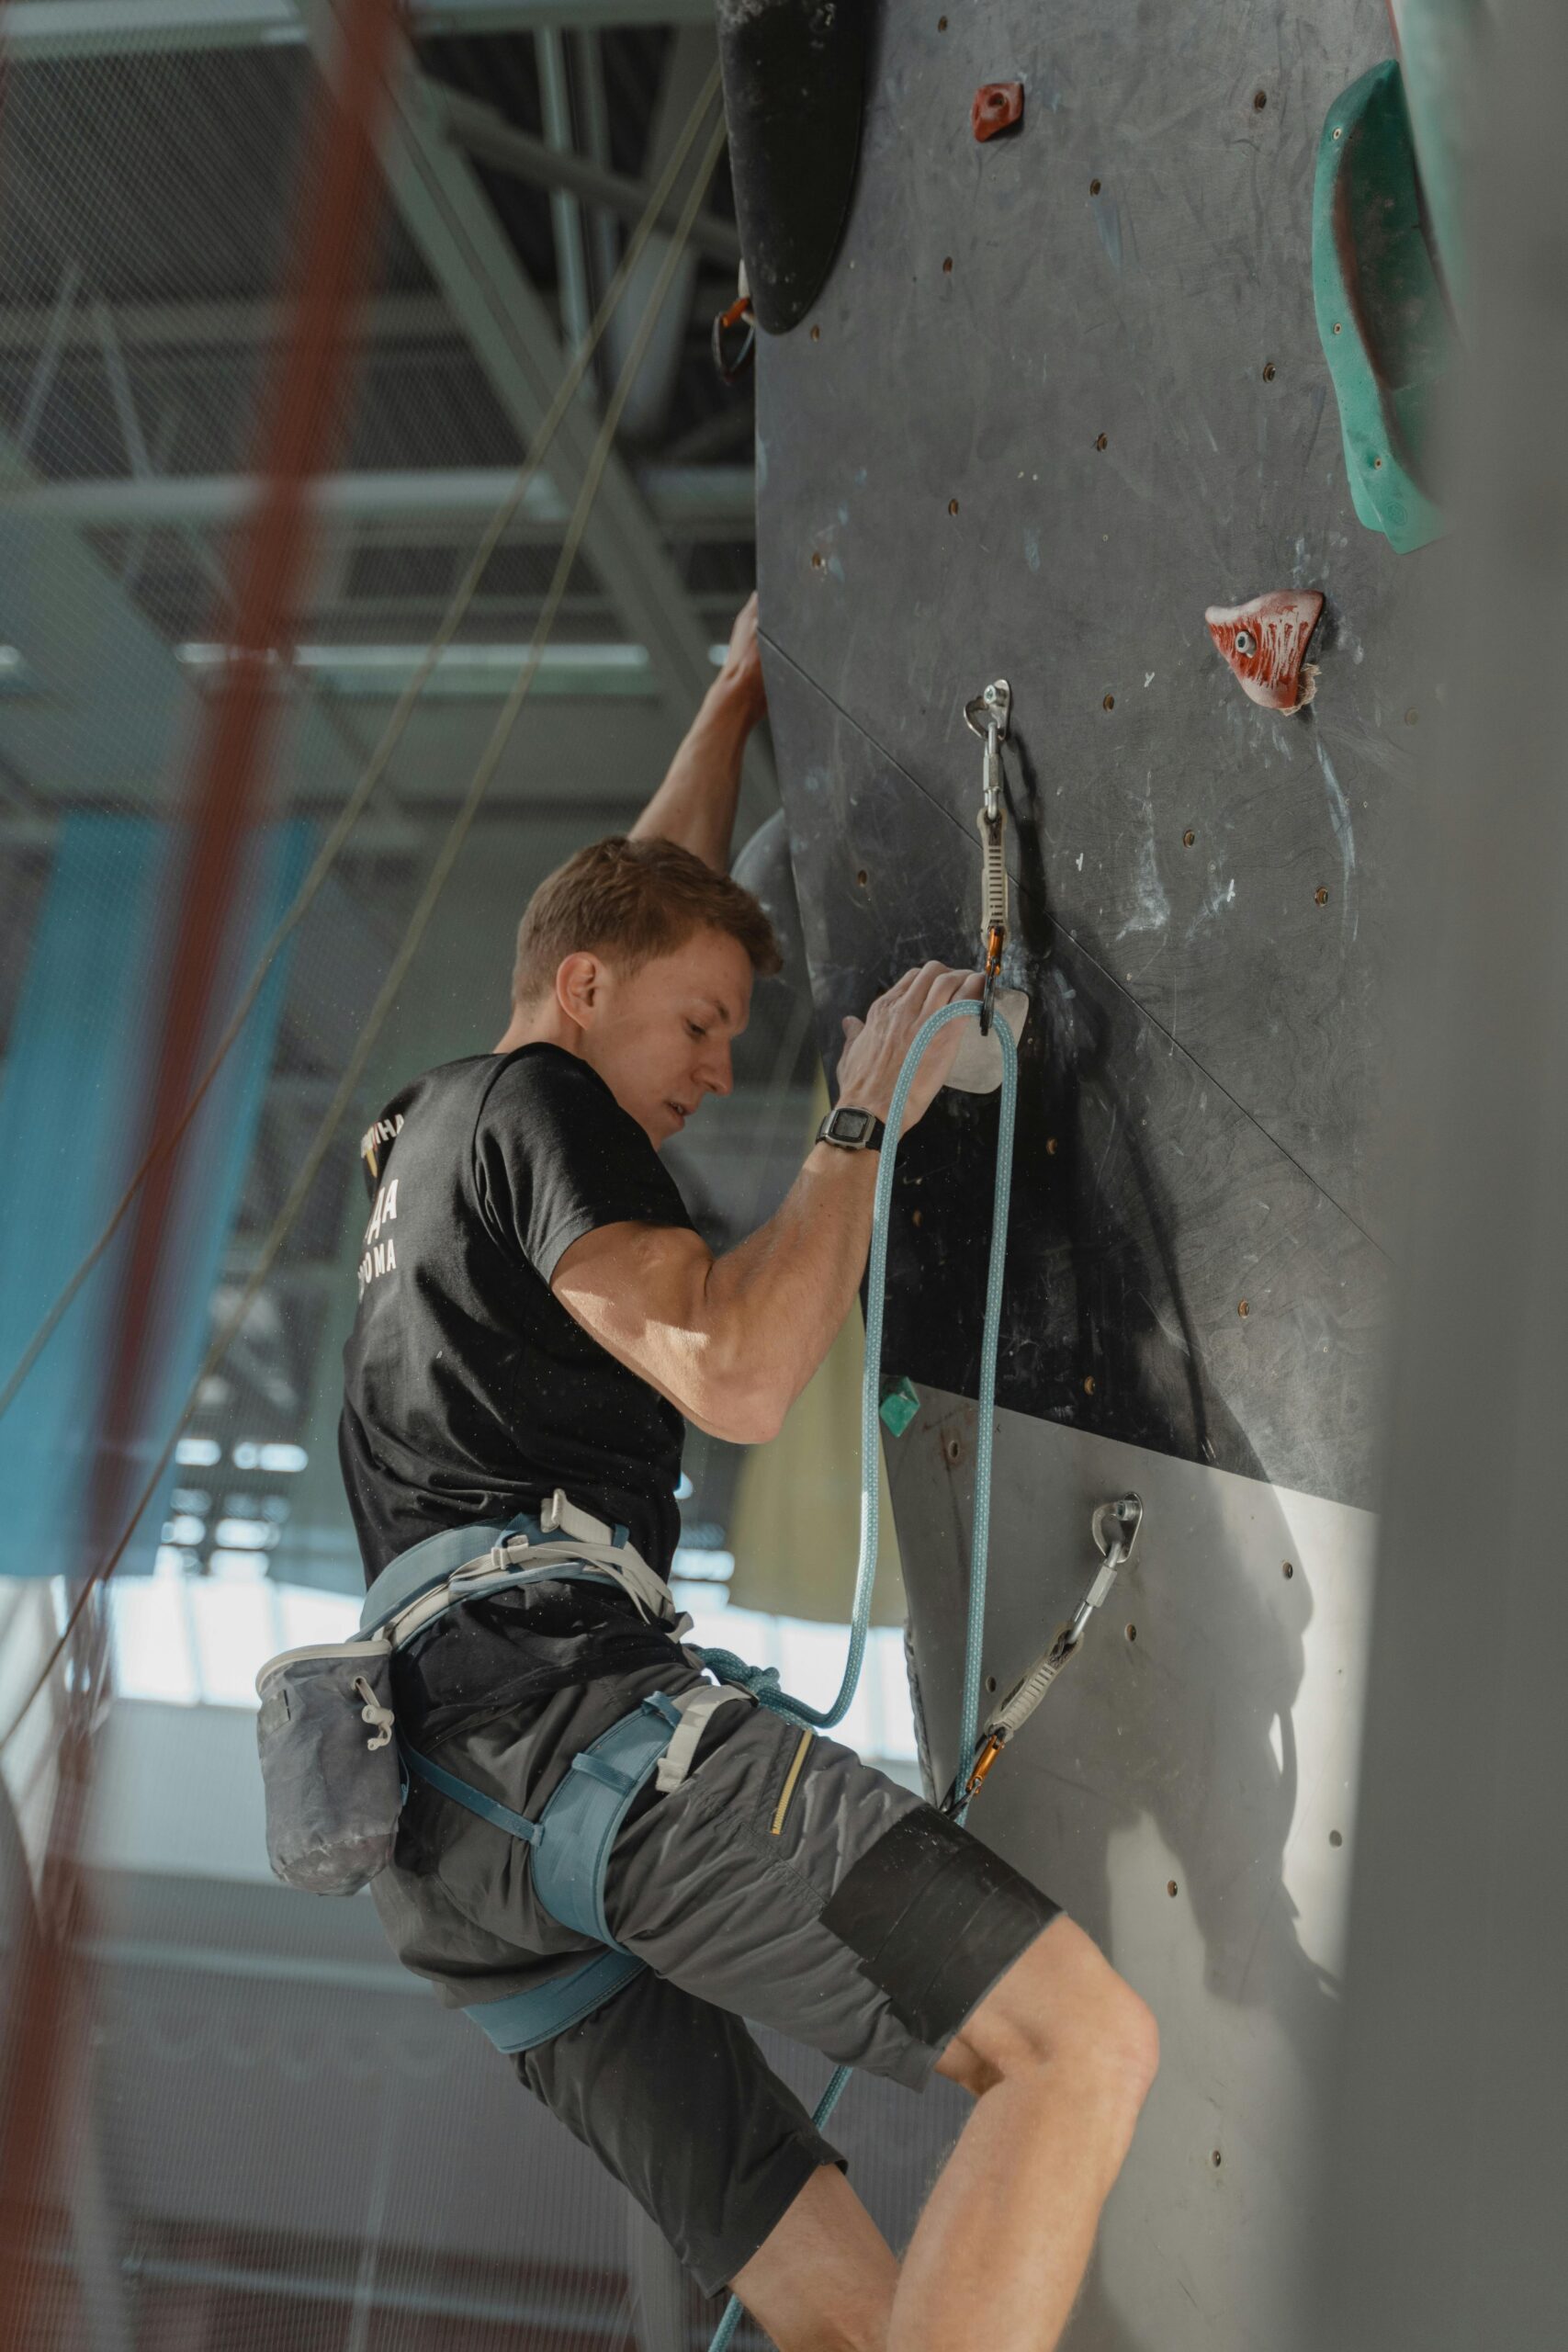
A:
{"points": [[987, 714], [1114, 1527], [572, 1839], [332, 1803]]}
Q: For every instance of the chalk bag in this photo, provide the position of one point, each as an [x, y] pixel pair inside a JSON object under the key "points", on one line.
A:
{"points": [[330, 1766]]}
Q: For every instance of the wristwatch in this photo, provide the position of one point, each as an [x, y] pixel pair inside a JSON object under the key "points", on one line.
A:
{"points": [[852, 1129]]}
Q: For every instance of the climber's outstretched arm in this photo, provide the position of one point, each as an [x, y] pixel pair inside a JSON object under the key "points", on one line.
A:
{"points": [[696, 804]]}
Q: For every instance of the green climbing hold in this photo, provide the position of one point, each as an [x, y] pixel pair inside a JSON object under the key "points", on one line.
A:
{"points": [[899, 1405], [1382, 313]]}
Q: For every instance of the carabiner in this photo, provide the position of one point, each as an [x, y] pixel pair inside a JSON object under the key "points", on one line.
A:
{"points": [[727, 320]]}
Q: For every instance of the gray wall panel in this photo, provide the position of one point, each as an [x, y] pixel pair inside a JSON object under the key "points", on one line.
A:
{"points": [[1147, 313], [1214, 1752]]}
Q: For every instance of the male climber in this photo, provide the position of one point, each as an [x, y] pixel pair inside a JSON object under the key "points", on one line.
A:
{"points": [[538, 1312]]}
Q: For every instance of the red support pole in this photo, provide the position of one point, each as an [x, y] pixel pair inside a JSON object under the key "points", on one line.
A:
{"points": [[301, 416]]}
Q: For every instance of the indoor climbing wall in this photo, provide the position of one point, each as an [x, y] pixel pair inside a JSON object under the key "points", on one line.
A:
{"points": [[1061, 412]]}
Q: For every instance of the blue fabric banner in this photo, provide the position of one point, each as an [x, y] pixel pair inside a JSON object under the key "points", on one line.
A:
{"points": [[77, 1072]]}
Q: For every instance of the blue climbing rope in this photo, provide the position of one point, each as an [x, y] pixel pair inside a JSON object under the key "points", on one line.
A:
{"points": [[764, 1679]]}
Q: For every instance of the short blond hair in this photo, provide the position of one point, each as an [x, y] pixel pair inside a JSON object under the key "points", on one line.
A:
{"points": [[632, 901]]}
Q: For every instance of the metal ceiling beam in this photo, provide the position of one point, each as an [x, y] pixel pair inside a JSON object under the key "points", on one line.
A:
{"points": [[687, 502], [42, 29], [566, 216], [390, 318], [482, 671], [593, 117], [513, 337], [690, 59], [491, 140], [109, 698], [414, 835]]}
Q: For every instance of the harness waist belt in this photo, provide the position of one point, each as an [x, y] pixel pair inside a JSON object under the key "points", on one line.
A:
{"points": [[461, 1563]]}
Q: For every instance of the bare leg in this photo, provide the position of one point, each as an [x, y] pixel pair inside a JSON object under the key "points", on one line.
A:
{"points": [[823, 2280], [1061, 2056]]}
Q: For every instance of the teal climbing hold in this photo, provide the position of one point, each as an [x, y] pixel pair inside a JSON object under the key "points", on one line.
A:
{"points": [[899, 1405], [1382, 312]]}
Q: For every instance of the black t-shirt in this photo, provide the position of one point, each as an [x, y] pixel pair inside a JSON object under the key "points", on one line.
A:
{"points": [[469, 1393]]}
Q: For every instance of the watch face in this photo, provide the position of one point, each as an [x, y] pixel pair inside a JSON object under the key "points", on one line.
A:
{"points": [[851, 1124]]}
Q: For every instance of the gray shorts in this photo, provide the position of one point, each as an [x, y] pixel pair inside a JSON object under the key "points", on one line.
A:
{"points": [[784, 1882]]}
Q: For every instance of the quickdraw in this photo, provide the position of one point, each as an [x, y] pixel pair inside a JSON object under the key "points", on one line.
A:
{"points": [[989, 714], [1114, 1527]]}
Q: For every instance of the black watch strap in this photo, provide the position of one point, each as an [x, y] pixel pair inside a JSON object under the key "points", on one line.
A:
{"points": [[851, 1128]]}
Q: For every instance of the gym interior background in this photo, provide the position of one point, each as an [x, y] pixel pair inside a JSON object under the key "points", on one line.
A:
{"points": [[333, 617], [283, 2141]]}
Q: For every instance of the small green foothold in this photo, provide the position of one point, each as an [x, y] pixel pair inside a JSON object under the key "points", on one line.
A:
{"points": [[899, 1406]]}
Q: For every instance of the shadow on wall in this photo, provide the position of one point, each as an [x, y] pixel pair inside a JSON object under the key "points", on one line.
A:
{"points": [[1186, 1731], [1186, 1734]]}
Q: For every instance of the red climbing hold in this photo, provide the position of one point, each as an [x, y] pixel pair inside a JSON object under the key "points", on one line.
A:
{"points": [[1264, 642], [997, 105]]}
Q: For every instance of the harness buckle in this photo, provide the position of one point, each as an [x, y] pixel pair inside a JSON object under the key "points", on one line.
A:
{"points": [[558, 1515]]}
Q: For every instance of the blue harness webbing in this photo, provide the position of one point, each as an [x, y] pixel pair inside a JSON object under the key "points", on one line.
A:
{"points": [[569, 1863], [521, 2021], [569, 1844]]}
